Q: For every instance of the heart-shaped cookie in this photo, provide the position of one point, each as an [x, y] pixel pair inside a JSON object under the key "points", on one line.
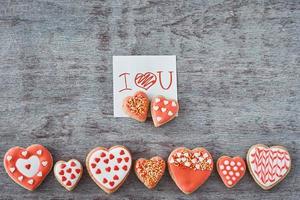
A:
{"points": [[231, 170], [268, 165], [68, 173], [163, 110], [150, 171], [109, 167], [190, 168], [28, 167], [137, 106]]}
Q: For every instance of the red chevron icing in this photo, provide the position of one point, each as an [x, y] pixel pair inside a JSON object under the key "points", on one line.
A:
{"points": [[268, 165]]}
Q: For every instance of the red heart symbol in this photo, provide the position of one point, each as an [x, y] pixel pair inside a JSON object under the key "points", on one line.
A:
{"points": [[137, 106], [231, 170], [150, 171], [68, 173], [163, 110], [268, 165], [145, 80], [28, 167], [106, 175], [190, 168]]}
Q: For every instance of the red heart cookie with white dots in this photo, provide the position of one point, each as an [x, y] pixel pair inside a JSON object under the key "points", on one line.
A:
{"points": [[190, 168], [231, 170], [28, 167], [268, 165], [163, 110], [68, 173], [109, 167], [137, 106]]}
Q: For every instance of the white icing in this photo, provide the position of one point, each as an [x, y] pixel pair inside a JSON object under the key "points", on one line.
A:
{"points": [[227, 177], [173, 104], [45, 163], [12, 169], [163, 109], [239, 163], [24, 153], [39, 152], [20, 178], [228, 167], [30, 181], [233, 178], [235, 168], [242, 168], [155, 108], [157, 100], [221, 167], [237, 174], [166, 102], [205, 155], [232, 163], [170, 113], [40, 174], [57, 169], [158, 119], [121, 173], [230, 173], [229, 182], [226, 162], [8, 158], [275, 159], [224, 172], [34, 163]]}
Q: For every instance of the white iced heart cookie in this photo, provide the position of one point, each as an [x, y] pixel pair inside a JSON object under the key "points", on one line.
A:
{"points": [[68, 173], [109, 167], [268, 165]]}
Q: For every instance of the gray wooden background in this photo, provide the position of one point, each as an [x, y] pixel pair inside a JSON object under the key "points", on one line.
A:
{"points": [[238, 81]]}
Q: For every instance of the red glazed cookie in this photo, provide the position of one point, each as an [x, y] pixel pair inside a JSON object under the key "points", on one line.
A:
{"points": [[163, 110], [28, 167], [68, 173], [109, 167], [150, 171], [137, 106], [190, 168], [268, 165], [231, 170]]}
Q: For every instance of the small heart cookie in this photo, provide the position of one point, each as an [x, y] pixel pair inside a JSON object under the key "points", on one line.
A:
{"points": [[163, 110], [137, 106], [268, 165], [68, 173], [231, 170], [28, 167], [150, 171], [190, 168], [109, 168]]}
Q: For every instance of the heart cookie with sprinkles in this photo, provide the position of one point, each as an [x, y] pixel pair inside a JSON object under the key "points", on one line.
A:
{"points": [[68, 173], [137, 106], [268, 165], [109, 167], [28, 167], [231, 170], [190, 168], [150, 171], [163, 110]]}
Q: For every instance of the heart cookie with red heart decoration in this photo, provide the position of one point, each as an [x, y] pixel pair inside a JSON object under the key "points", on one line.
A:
{"points": [[231, 170], [109, 167], [163, 110], [150, 171], [268, 165], [68, 173], [137, 106], [190, 168], [28, 167]]}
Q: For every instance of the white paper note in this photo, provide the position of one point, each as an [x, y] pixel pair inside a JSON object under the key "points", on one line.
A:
{"points": [[154, 75]]}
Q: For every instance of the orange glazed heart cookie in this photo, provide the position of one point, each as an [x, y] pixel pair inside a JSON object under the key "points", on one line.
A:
{"points": [[68, 173], [268, 165], [231, 170], [28, 167], [150, 171], [137, 106], [190, 168], [109, 167], [163, 110]]}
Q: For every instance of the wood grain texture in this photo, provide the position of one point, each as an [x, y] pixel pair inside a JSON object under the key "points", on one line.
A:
{"points": [[238, 82]]}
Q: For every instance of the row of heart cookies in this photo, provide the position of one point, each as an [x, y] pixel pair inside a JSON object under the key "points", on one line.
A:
{"points": [[162, 110], [110, 167]]}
